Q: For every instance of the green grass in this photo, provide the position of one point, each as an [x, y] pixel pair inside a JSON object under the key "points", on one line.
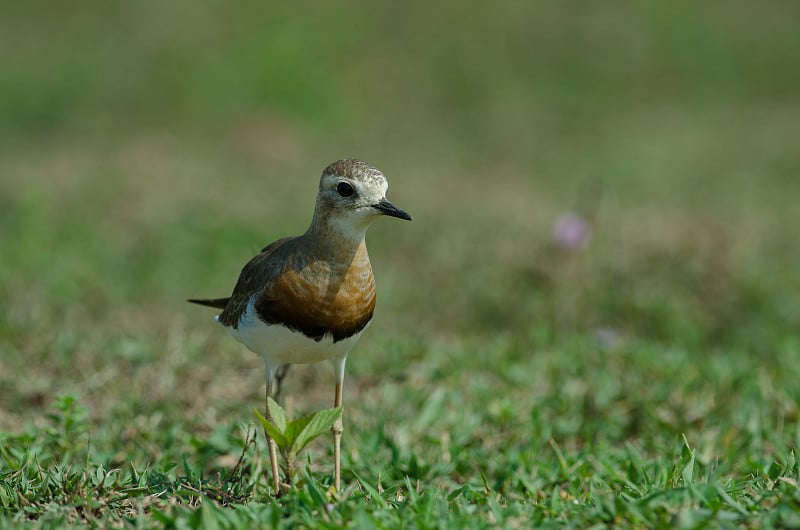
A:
{"points": [[648, 380]]}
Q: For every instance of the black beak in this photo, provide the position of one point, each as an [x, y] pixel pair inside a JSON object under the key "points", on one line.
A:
{"points": [[387, 208]]}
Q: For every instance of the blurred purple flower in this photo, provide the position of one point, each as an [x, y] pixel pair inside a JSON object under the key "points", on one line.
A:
{"points": [[571, 232]]}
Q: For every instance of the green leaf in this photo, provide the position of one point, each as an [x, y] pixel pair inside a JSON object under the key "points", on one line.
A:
{"points": [[277, 413], [293, 430], [317, 423], [273, 431]]}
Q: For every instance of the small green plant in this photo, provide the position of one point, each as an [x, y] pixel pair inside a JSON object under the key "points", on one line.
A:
{"points": [[291, 436]]}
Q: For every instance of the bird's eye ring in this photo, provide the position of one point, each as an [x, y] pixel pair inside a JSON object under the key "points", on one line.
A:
{"points": [[344, 189]]}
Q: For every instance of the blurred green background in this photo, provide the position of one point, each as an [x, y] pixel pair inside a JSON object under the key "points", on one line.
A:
{"points": [[603, 256], [149, 148]]}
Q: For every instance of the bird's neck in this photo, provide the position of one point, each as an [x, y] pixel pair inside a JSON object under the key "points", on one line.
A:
{"points": [[336, 239]]}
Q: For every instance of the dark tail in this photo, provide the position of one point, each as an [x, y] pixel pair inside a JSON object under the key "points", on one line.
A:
{"points": [[219, 303]]}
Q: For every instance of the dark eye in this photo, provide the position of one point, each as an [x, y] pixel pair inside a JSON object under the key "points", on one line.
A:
{"points": [[345, 189]]}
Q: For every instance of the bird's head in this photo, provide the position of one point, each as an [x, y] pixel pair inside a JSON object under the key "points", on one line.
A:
{"points": [[352, 194]]}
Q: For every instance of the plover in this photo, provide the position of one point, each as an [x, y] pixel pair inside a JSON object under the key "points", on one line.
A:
{"points": [[308, 298]]}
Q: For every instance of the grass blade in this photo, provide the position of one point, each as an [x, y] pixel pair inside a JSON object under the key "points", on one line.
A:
{"points": [[371, 491]]}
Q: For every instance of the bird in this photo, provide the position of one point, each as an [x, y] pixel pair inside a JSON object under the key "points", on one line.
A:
{"points": [[308, 298]]}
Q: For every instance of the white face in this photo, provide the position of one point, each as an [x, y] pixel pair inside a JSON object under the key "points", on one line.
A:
{"points": [[353, 199]]}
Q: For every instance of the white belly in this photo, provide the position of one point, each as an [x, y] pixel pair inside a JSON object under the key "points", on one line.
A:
{"points": [[281, 345]]}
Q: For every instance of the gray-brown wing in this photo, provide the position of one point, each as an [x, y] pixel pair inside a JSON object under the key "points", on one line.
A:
{"points": [[258, 273]]}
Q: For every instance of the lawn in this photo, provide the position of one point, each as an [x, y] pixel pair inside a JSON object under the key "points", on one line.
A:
{"points": [[644, 373]]}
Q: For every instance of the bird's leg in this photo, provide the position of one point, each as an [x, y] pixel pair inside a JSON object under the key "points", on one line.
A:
{"points": [[273, 450], [277, 383], [338, 426]]}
